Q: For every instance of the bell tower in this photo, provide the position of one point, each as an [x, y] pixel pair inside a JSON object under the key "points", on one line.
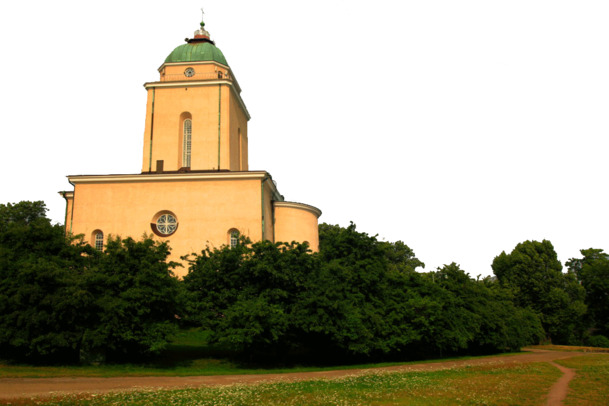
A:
{"points": [[195, 117]]}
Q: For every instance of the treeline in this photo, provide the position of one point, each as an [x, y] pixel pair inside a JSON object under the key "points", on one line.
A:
{"points": [[357, 299]]}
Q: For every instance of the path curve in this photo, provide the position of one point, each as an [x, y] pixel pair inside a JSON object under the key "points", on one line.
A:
{"points": [[26, 388], [558, 392]]}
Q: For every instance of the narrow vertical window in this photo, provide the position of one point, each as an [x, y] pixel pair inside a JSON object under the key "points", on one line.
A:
{"points": [[240, 146], [99, 241], [234, 238], [187, 143]]}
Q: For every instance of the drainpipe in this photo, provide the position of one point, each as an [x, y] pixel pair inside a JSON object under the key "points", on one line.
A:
{"points": [[151, 131], [63, 194], [273, 218], [262, 201], [219, 120], [73, 205]]}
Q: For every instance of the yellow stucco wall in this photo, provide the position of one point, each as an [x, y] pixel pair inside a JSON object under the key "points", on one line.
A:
{"points": [[297, 222], [205, 209], [169, 104], [238, 136], [217, 114], [203, 71]]}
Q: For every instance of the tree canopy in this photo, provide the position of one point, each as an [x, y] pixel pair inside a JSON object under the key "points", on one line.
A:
{"points": [[534, 274], [62, 300], [358, 298], [592, 271]]}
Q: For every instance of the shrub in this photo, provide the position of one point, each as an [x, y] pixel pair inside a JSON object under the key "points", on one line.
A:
{"points": [[598, 341]]}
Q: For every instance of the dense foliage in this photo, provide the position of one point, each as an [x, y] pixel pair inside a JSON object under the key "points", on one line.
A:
{"points": [[593, 273], [135, 300], [358, 298], [534, 273], [62, 300]]}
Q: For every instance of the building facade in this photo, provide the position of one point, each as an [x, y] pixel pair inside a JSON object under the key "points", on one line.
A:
{"points": [[195, 188]]}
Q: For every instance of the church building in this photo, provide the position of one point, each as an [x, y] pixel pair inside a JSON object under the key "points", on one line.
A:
{"points": [[195, 188]]}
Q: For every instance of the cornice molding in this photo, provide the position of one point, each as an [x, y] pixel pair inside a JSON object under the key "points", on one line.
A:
{"points": [[299, 206], [67, 194], [163, 177], [188, 83], [192, 63]]}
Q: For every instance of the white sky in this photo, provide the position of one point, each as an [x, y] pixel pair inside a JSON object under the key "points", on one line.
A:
{"points": [[459, 127]]}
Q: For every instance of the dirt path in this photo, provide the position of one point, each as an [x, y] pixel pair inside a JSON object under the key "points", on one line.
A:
{"points": [[26, 388], [558, 392]]}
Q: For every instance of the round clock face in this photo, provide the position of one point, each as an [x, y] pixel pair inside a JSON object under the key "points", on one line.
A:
{"points": [[189, 72]]}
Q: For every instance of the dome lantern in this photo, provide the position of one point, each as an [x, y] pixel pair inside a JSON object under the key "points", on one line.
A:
{"points": [[198, 49], [201, 33]]}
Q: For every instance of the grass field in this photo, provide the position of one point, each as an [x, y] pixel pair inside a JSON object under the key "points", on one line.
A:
{"points": [[571, 348], [591, 383], [489, 384], [492, 383]]}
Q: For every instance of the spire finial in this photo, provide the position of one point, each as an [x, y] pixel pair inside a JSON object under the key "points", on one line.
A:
{"points": [[201, 33]]}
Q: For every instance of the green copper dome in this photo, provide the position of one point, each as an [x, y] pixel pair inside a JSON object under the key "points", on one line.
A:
{"points": [[197, 52]]}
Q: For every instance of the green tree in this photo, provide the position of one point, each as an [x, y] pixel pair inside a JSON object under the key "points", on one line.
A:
{"points": [[475, 315], [135, 300], [245, 295], [43, 306], [358, 298], [61, 299], [593, 272], [363, 293], [348, 246], [278, 299], [534, 274]]}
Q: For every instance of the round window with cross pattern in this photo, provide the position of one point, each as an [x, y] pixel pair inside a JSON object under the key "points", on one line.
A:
{"points": [[164, 224]]}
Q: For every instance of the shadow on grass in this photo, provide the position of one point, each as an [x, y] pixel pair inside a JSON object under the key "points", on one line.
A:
{"points": [[190, 350], [190, 354]]}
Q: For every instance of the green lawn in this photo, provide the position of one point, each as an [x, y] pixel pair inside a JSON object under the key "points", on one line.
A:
{"points": [[591, 383], [490, 384]]}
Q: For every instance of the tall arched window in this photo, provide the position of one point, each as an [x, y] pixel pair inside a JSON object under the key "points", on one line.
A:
{"points": [[186, 147], [98, 240]]}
